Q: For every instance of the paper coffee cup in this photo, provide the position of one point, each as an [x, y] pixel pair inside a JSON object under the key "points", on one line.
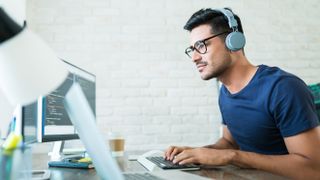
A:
{"points": [[116, 143]]}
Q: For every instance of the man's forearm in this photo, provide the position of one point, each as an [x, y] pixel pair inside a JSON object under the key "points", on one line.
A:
{"points": [[222, 143], [292, 165]]}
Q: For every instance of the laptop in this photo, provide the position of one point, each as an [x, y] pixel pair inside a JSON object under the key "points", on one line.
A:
{"points": [[84, 120]]}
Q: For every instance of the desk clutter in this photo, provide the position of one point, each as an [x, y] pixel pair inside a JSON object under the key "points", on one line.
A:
{"points": [[77, 162]]}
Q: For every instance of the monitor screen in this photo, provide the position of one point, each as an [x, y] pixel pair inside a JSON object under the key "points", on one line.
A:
{"points": [[49, 114]]}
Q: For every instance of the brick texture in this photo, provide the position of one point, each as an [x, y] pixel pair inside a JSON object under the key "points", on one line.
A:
{"points": [[146, 87]]}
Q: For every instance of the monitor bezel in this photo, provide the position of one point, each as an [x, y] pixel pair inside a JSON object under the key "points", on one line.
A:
{"points": [[23, 127]]}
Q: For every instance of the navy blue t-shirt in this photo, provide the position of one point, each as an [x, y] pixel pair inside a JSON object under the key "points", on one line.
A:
{"points": [[274, 105]]}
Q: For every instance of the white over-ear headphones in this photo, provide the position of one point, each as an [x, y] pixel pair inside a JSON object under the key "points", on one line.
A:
{"points": [[234, 40]]}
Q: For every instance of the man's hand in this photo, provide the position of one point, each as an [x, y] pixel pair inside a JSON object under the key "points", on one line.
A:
{"points": [[205, 156], [172, 151]]}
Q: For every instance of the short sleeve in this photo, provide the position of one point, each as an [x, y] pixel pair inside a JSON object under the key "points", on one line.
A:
{"points": [[292, 106]]}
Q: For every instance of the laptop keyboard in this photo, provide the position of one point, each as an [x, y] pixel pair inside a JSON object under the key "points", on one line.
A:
{"points": [[140, 176], [165, 164]]}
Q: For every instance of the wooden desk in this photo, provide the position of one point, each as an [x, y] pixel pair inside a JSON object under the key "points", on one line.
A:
{"points": [[223, 172]]}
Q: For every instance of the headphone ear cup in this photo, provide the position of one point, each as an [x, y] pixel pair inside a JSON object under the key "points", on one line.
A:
{"points": [[235, 41]]}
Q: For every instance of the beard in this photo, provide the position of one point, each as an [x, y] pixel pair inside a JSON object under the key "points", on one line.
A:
{"points": [[215, 70]]}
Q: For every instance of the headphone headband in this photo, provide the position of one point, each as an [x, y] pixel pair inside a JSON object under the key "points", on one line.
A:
{"points": [[231, 20], [234, 40]]}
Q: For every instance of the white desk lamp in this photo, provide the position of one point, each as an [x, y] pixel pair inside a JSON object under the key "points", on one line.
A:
{"points": [[28, 69]]}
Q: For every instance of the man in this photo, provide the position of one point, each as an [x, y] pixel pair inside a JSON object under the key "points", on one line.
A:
{"points": [[269, 119]]}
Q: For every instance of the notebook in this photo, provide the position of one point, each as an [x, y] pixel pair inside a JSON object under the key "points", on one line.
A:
{"points": [[99, 151], [72, 163]]}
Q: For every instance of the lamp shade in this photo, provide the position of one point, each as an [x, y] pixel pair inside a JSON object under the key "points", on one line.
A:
{"points": [[28, 68]]}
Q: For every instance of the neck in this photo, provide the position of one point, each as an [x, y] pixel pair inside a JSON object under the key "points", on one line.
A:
{"points": [[239, 74]]}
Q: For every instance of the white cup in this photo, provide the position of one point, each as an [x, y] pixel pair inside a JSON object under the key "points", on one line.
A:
{"points": [[116, 143]]}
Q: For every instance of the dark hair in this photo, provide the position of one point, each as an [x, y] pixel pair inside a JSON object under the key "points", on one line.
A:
{"points": [[216, 19]]}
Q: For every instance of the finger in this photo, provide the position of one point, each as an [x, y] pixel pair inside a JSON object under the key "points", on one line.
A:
{"points": [[180, 157], [188, 161], [168, 152], [174, 153]]}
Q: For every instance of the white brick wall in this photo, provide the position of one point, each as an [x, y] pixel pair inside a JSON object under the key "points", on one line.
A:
{"points": [[146, 87]]}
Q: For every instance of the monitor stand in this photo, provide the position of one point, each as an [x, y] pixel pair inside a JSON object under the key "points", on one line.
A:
{"points": [[60, 159], [40, 174], [57, 152]]}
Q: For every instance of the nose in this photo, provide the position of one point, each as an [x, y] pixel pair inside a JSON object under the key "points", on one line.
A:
{"points": [[196, 56]]}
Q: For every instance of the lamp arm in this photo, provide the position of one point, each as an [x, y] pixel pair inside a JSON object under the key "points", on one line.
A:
{"points": [[83, 119]]}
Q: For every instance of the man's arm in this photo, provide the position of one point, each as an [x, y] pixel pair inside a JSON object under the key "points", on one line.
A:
{"points": [[302, 162]]}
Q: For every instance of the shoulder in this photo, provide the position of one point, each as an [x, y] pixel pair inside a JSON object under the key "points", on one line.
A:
{"points": [[280, 80], [290, 84], [291, 104], [286, 90]]}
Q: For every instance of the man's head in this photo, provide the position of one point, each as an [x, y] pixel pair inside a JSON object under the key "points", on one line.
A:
{"points": [[208, 31]]}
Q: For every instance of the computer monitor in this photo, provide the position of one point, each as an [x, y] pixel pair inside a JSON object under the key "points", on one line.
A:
{"points": [[24, 119], [29, 123], [47, 120]]}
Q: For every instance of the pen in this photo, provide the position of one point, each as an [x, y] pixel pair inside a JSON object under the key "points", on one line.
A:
{"points": [[12, 126]]}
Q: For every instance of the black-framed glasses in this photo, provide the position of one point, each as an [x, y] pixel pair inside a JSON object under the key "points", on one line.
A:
{"points": [[200, 46]]}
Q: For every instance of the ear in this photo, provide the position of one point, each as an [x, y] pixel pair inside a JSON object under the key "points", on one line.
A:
{"points": [[237, 54]]}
